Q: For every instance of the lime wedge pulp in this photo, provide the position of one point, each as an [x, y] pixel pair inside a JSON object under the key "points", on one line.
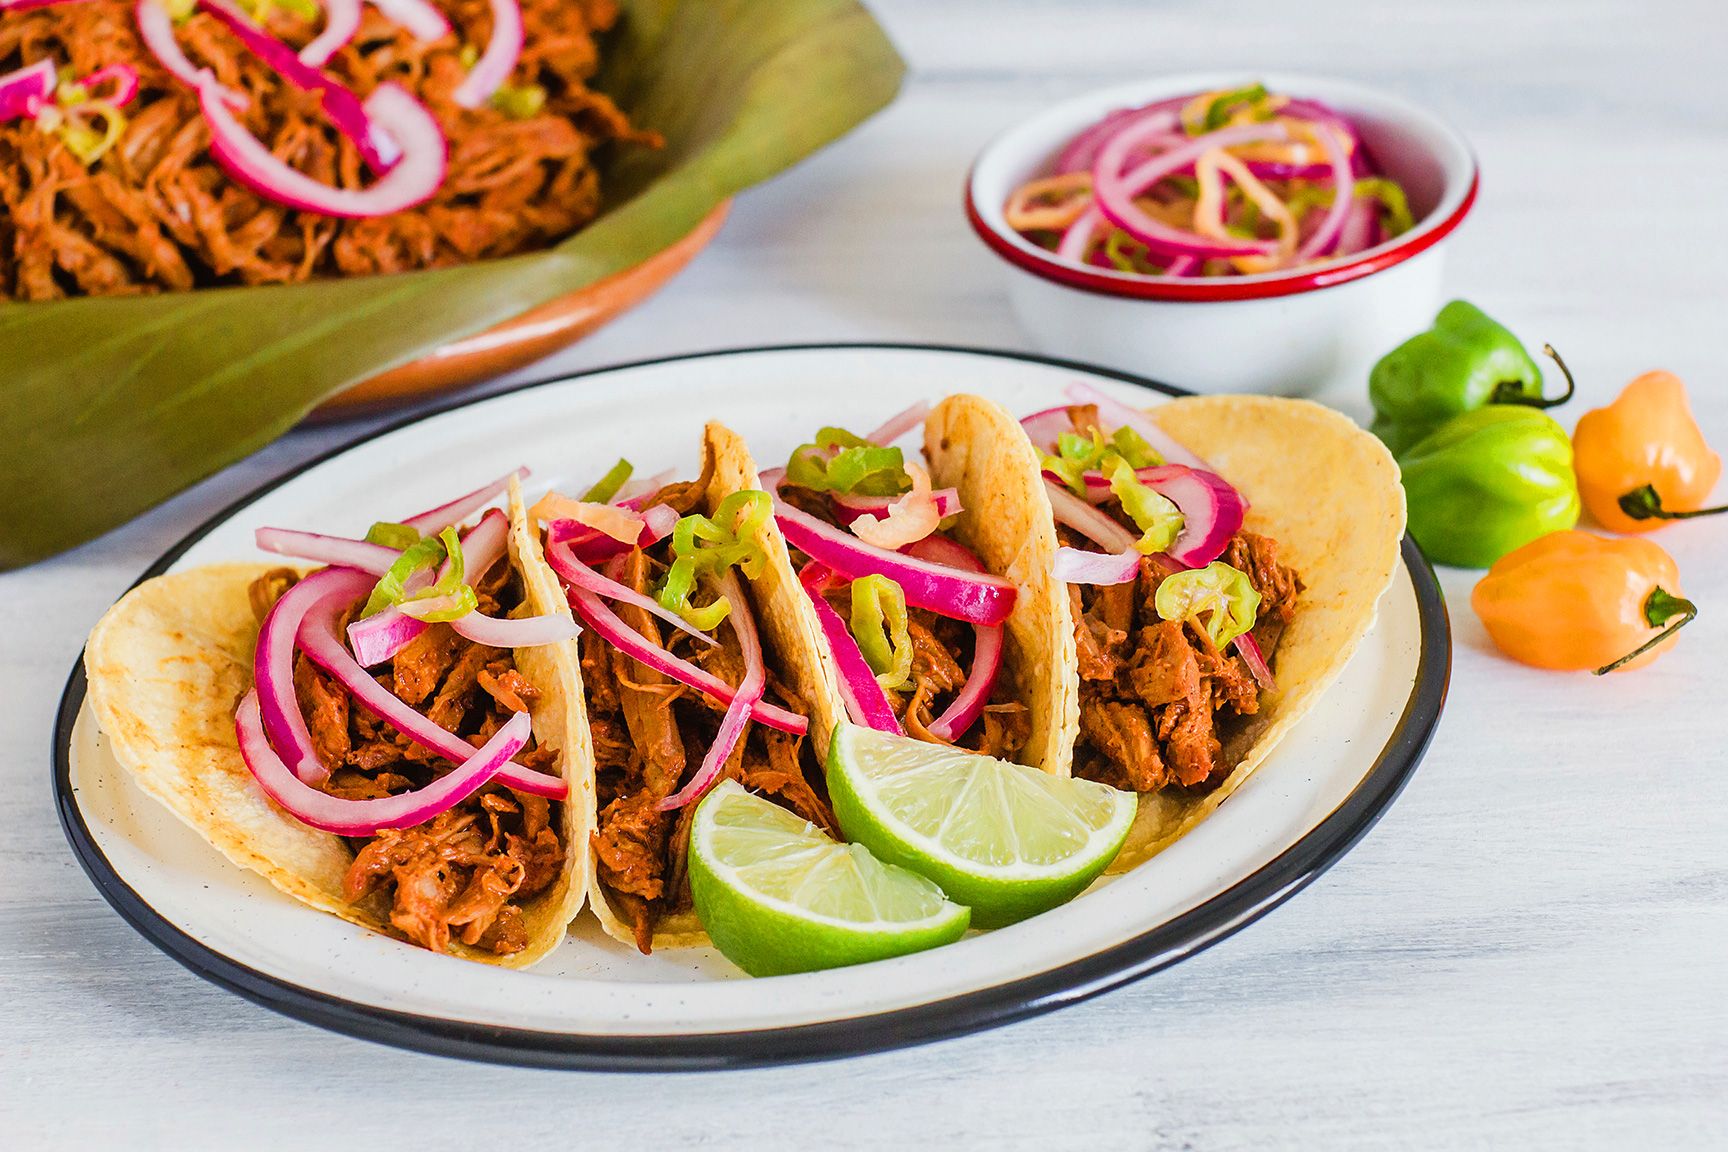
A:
{"points": [[778, 895], [1006, 840]]}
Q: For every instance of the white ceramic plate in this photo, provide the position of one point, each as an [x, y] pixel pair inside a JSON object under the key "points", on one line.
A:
{"points": [[597, 1003]]}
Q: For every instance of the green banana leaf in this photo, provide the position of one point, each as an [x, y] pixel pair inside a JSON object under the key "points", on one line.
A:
{"points": [[110, 406]]}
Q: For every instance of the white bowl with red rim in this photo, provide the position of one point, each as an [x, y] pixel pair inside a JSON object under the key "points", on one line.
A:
{"points": [[1297, 332]]}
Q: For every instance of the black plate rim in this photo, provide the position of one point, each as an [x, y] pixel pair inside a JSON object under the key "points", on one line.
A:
{"points": [[1135, 958]]}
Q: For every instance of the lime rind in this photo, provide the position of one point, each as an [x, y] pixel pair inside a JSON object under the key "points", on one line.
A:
{"points": [[777, 895], [993, 819]]}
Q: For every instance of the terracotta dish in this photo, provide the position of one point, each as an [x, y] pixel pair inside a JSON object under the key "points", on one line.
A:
{"points": [[538, 332]]}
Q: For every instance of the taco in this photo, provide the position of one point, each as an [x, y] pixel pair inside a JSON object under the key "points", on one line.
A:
{"points": [[1224, 556], [931, 621], [388, 739], [690, 673]]}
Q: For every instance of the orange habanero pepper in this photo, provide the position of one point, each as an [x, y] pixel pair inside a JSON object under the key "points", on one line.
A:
{"points": [[1642, 460], [1570, 600]]}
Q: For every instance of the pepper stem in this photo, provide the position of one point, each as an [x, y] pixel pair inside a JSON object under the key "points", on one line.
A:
{"points": [[1646, 504], [1659, 608], [1512, 391]]}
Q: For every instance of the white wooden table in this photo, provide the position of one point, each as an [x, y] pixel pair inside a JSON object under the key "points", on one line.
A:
{"points": [[1530, 950]]}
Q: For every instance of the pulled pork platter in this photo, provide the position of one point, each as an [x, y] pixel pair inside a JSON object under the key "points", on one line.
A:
{"points": [[469, 724], [169, 145]]}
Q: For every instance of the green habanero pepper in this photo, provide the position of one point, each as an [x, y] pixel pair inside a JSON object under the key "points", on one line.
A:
{"points": [[1465, 362], [1487, 482]]}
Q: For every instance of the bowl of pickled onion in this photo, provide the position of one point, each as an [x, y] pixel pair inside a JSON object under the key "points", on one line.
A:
{"points": [[1224, 232]]}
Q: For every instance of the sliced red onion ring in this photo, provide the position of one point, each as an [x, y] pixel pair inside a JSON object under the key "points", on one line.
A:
{"points": [[414, 180], [1116, 413], [573, 572], [1079, 154], [1115, 189], [435, 520], [1043, 428], [1325, 237], [866, 701], [338, 550], [497, 61], [125, 79], [273, 664], [1358, 231], [1078, 236], [1249, 649], [1092, 523], [626, 639], [341, 22], [1118, 563], [963, 711], [381, 144], [516, 632], [422, 20], [635, 490], [22, 91], [900, 423], [378, 637], [1078, 566], [1211, 510], [156, 29], [322, 643], [978, 598], [321, 810], [750, 690], [848, 508]]}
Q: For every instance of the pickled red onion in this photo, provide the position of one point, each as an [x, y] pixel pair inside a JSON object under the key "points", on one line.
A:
{"points": [[414, 180], [499, 58], [379, 144], [338, 550], [749, 692], [963, 711], [329, 813], [423, 21], [341, 21], [156, 29], [1114, 190], [1118, 413], [23, 90], [865, 700], [579, 575], [633, 644], [273, 665], [435, 520], [979, 598], [321, 641], [900, 423]]}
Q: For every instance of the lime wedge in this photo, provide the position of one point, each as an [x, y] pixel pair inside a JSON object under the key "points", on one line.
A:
{"points": [[1006, 840], [777, 895]]}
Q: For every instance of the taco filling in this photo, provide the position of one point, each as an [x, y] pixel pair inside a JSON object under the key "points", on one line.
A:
{"points": [[681, 689], [1177, 610], [466, 873], [912, 620]]}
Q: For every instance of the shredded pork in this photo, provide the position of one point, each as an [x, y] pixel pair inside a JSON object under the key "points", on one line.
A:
{"points": [[650, 734], [1157, 697], [467, 873], [157, 213]]}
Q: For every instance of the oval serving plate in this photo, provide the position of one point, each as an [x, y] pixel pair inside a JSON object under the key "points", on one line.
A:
{"points": [[598, 1004]]}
